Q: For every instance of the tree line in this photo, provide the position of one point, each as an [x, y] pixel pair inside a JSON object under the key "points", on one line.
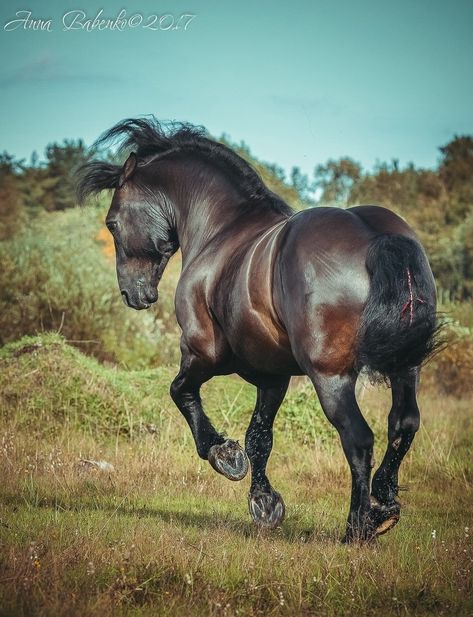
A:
{"points": [[437, 202]]}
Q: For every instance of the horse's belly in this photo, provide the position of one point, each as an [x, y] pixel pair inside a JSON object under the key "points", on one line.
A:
{"points": [[261, 345]]}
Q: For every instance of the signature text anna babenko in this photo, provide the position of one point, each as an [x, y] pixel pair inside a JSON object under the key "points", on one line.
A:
{"points": [[78, 19]]}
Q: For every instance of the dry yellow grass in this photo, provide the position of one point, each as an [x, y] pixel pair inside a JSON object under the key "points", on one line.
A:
{"points": [[163, 534]]}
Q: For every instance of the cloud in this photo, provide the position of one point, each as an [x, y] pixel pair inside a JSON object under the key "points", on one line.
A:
{"points": [[47, 68]]}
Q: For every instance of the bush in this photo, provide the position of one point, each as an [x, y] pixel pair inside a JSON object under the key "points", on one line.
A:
{"points": [[46, 383], [451, 370], [55, 276]]}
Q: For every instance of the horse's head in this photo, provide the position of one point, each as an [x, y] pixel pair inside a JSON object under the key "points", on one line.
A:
{"points": [[140, 220], [179, 179]]}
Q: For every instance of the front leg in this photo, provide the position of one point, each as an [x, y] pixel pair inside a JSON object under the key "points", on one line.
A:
{"points": [[225, 455], [265, 504]]}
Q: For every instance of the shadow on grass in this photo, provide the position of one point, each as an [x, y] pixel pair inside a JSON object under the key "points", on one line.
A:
{"points": [[293, 530]]}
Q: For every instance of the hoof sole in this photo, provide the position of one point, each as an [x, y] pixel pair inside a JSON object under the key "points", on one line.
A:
{"points": [[267, 509], [384, 517], [229, 459]]}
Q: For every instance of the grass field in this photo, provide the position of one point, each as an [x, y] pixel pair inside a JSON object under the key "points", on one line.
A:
{"points": [[163, 534]]}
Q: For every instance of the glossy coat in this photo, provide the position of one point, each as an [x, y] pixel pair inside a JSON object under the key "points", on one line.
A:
{"points": [[268, 293]]}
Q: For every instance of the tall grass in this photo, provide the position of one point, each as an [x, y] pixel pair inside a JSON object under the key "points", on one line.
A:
{"points": [[109, 400], [163, 534]]}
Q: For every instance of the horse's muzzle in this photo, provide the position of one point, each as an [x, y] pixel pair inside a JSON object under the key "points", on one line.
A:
{"points": [[136, 301]]}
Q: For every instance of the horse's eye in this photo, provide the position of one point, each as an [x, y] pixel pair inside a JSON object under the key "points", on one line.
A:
{"points": [[112, 225]]}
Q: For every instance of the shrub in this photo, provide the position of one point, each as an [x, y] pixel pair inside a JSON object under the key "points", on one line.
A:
{"points": [[55, 276], [451, 370]]}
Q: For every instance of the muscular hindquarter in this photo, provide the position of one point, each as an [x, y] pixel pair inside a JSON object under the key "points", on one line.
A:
{"points": [[292, 297]]}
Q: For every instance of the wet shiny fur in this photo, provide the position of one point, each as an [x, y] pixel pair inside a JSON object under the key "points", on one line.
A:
{"points": [[267, 293]]}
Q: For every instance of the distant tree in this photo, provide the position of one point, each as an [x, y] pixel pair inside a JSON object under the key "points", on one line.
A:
{"points": [[36, 189], [12, 212], [300, 182], [62, 160], [277, 171], [34, 159], [410, 190], [335, 180], [456, 165], [10, 165], [467, 238], [387, 185], [456, 171]]}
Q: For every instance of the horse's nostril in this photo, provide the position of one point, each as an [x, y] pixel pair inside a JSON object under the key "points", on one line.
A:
{"points": [[126, 300]]}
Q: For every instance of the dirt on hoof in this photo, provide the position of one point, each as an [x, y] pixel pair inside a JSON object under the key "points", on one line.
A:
{"points": [[384, 517]]}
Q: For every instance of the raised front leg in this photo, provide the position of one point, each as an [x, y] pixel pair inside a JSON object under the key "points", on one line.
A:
{"points": [[403, 424], [265, 504], [337, 397], [225, 456]]}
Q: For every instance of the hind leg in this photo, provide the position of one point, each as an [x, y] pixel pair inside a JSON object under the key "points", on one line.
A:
{"points": [[403, 423], [337, 397], [265, 504]]}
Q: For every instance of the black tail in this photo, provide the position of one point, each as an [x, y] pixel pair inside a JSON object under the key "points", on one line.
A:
{"points": [[398, 325]]}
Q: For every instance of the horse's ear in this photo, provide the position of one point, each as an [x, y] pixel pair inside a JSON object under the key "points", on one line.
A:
{"points": [[128, 169]]}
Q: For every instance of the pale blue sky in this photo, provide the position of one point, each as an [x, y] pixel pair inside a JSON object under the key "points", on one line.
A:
{"points": [[298, 81]]}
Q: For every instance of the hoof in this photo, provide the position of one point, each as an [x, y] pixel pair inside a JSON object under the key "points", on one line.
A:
{"points": [[229, 459], [380, 519], [266, 509], [384, 517]]}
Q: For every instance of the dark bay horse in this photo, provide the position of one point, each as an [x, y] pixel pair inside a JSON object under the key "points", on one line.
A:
{"points": [[267, 293]]}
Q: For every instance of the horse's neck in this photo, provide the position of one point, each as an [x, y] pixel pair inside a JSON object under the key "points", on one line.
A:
{"points": [[200, 221], [232, 223], [204, 205], [207, 205]]}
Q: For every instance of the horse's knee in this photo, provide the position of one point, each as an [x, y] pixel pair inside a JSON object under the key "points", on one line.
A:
{"points": [[406, 426], [357, 439], [404, 418], [352, 427], [174, 390], [358, 443], [181, 394], [337, 397]]}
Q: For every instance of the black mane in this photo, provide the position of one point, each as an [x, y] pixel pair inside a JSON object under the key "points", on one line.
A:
{"points": [[148, 137]]}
